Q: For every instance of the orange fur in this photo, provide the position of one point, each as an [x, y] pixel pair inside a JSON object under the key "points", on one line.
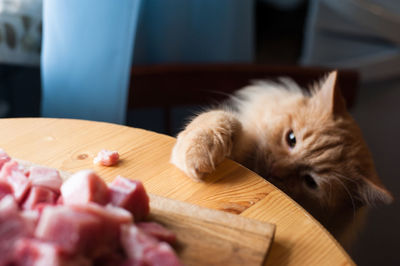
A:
{"points": [[329, 170]]}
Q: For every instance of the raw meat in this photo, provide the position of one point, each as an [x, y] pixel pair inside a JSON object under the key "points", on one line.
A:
{"points": [[5, 189], [45, 177], [32, 252], [81, 222], [77, 230], [3, 158], [37, 195], [143, 249], [130, 195], [8, 206], [73, 231], [14, 175], [106, 158], [12, 227], [83, 187], [135, 242], [162, 255], [109, 213], [31, 217], [158, 231]]}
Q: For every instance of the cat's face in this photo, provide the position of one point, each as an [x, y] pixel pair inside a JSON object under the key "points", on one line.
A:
{"points": [[315, 152]]}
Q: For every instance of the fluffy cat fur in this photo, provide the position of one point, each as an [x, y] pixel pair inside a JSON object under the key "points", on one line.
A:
{"points": [[303, 142]]}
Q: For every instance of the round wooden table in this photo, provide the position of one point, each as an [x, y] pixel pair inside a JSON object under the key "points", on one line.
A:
{"points": [[71, 145]]}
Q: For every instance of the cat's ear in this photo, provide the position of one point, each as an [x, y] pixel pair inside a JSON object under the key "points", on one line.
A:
{"points": [[372, 194], [329, 96]]}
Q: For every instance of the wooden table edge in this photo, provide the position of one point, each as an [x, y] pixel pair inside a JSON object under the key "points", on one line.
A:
{"points": [[313, 220]]}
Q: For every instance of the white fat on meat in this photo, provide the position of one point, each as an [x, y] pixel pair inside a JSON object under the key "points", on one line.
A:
{"points": [[15, 176], [83, 187], [106, 158], [45, 177]]}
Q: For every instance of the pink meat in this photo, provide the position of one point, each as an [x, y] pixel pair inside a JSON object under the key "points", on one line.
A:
{"points": [[60, 200], [73, 231], [130, 195], [88, 224], [31, 217], [142, 249], [3, 158], [33, 252], [162, 255], [37, 195], [134, 262], [12, 227], [8, 206], [83, 187], [5, 189], [108, 213], [135, 242], [45, 177], [14, 175], [106, 158], [158, 231]]}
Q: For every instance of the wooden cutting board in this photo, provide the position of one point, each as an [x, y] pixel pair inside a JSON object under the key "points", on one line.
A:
{"points": [[209, 237]]}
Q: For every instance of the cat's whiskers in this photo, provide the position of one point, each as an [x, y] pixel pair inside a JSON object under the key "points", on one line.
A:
{"points": [[349, 194]]}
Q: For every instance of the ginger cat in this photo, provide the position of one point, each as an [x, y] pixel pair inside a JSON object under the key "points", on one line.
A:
{"points": [[305, 143]]}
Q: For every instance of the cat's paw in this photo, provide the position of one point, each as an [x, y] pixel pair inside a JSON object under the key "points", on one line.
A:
{"points": [[198, 151]]}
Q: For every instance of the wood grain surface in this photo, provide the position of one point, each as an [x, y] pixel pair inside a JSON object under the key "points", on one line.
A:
{"points": [[211, 237], [71, 145]]}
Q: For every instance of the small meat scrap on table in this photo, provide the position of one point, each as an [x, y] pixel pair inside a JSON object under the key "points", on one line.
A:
{"points": [[83, 221], [106, 158]]}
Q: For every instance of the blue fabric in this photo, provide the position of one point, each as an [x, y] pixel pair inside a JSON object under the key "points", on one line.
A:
{"points": [[86, 58], [88, 46], [187, 31]]}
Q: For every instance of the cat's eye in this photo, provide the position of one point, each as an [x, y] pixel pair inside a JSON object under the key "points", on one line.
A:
{"points": [[310, 182], [291, 139]]}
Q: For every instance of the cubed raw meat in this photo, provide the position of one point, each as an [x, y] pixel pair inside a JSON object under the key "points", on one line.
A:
{"points": [[106, 158], [12, 227], [142, 249], [32, 252], [38, 195], [31, 217], [158, 231], [45, 177], [73, 231], [5, 189], [162, 255], [3, 158], [82, 222], [109, 213], [130, 195], [60, 200], [14, 175], [8, 207], [83, 187], [135, 242]]}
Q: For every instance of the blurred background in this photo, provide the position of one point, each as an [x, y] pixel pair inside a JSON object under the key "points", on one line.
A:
{"points": [[154, 63]]}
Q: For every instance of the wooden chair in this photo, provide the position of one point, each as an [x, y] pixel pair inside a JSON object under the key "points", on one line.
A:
{"points": [[168, 86]]}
